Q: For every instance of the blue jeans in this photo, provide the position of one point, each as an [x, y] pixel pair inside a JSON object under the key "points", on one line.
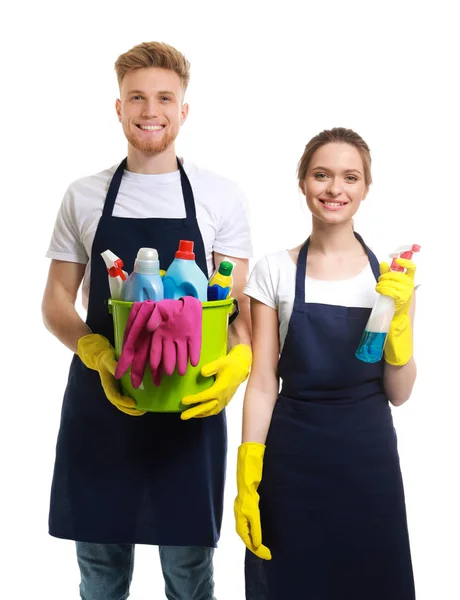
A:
{"points": [[107, 569]]}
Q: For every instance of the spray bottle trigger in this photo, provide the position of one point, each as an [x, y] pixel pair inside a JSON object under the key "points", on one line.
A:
{"points": [[406, 252]]}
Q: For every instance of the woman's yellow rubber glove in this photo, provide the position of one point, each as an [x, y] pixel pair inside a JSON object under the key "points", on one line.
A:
{"points": [[230, 371], [246, 507], [97, 353], [400, 287]]}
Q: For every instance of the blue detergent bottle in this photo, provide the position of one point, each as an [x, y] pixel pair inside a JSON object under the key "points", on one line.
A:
{"points": [[372, 343], [184, 277], [145, 282]]}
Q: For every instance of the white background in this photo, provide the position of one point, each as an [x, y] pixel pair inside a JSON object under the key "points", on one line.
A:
{"points": [[266, 77]]}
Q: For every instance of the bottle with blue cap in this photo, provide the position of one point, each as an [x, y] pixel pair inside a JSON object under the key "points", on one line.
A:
{"points": [[145, 282]]}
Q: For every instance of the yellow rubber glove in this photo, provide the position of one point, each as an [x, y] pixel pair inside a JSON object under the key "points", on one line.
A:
{"points": [[246, 506], [400, 287], [98, 354], [230, 371]]}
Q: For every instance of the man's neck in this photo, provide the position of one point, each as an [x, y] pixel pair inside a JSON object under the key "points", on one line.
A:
{"points": [[148, 164]]}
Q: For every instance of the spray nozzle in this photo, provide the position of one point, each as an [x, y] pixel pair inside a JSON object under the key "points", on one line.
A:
{"points": [[403, 252], [114, 264]]}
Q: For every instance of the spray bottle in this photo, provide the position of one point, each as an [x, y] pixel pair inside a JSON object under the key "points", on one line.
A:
{"points": [[117, 276], [375, 334]]}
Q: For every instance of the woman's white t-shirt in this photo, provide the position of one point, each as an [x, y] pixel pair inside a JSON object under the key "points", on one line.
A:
{"points": [[272, 282]]}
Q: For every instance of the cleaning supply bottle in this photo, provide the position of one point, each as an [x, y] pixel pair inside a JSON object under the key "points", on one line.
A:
{"points": [[117, 276], [145, 282], [221, 283], [373, 340], [184, 277]]}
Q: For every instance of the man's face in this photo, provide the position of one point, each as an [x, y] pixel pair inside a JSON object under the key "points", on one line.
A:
{"points": [[150, 108]]}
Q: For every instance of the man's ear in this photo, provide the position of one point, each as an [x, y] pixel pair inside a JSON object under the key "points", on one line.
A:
{"points": [[118, 109], [184, 113]]}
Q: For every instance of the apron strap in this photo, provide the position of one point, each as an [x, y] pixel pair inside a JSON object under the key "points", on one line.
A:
{"points": [[301, 271], [187, 193], [113, 189], [375, 266], [114, 186], [300, 276]]}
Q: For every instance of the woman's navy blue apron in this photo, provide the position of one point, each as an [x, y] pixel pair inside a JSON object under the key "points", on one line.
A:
{"points": [[331, 497], [151, 479]]}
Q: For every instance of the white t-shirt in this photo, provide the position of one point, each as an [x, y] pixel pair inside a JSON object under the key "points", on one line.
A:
{"points": [[272, 282], [220, 208]]}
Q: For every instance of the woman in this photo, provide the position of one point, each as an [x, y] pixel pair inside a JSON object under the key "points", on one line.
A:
{"points": [[332, 521]]}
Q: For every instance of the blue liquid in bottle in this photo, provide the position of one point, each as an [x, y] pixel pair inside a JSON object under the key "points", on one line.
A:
{"points": [[370, 347], [217, 292]]}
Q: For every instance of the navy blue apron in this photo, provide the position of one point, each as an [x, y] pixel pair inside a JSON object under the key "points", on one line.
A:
{"points": [[331, 497], [151, 479]]}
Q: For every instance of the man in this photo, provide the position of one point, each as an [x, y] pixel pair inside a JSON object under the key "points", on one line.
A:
{"points": [[123, 477]]}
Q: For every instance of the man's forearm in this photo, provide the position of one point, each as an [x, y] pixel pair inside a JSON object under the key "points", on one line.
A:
{"points": [[63, 321]]}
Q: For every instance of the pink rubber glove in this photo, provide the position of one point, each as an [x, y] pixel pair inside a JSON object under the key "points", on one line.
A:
{"points": [[140, 359], [176, 335], [136, 341]]}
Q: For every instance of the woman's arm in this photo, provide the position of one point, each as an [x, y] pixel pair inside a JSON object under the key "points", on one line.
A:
{"points": [[399, 381], [263, 385]]}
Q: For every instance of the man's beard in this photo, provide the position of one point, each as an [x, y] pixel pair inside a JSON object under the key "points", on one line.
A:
{"points": [[151, 147]]}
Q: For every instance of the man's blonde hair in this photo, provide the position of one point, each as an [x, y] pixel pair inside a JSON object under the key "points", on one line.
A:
{"points": [[153, 54]]}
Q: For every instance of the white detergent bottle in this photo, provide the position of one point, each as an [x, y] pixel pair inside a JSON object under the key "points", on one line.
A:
{"points": [[375, 334], [145, 282], [117, 276]]}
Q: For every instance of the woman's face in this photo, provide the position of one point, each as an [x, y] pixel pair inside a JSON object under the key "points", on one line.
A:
{"points": [[334, 185]]}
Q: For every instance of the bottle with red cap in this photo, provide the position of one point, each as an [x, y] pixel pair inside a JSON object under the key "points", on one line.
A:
{"points": [[375, 334], [117, 276], [184, 277]]}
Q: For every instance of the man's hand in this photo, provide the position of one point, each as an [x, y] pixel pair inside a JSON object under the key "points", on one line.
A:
{"points": [[98, 354], [230, 371]]}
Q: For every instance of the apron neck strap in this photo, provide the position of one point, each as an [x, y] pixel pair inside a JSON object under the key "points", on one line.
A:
{"points": [[114, 186], [301, 271]]}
